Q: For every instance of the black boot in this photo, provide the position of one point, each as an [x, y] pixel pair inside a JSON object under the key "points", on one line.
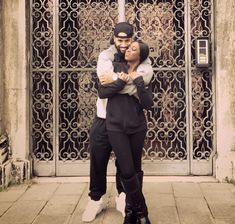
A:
{"points": [[144, 220], [140, 220], [141, 212], [140, 176], [135, 198], [130, 216]]}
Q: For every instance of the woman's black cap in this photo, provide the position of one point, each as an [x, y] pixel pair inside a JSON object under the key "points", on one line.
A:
{"points": [[144, 51]]}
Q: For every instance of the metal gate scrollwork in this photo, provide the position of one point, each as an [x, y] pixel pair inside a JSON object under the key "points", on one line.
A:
{"points": [[66, 39], [42, 80], [202, 84], [81, 24], [164, 32]]}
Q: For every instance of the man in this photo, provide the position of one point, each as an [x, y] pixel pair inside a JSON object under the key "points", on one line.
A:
{"points": [[100, 148]]}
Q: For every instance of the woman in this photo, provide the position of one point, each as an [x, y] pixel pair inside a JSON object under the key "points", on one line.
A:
{"points": [[127, 126]]}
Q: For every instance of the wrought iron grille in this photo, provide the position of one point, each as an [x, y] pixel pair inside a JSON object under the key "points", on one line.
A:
{"points": [[85, 29], [164, 31], [42, 79], [202, 83], [67, 37], [161, 25]]}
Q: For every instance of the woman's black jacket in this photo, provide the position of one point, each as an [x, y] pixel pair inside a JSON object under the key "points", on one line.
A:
{"points": [[124, 112]]}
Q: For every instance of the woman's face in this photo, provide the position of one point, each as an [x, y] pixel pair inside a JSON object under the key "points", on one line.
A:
{"points": [[133, 52]]}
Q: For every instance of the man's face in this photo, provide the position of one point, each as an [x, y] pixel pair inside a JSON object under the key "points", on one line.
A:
{"points": [[122, 43]]}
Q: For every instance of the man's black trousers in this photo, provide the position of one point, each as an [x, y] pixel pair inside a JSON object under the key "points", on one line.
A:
{"points": [[100, 150]]}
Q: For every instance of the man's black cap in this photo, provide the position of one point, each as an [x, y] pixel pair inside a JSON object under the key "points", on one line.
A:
{"points": [[123, 29]]}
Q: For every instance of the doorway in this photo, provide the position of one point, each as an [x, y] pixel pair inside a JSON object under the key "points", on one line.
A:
{"points": [[66, 39]]}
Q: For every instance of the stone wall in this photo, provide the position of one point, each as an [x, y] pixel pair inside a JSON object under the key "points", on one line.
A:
{"points": [[225, 79], [1, 72], [16, 75], [14, 93]]}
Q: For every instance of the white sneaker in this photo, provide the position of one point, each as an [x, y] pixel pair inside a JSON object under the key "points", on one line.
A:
{"points": [[121, 203], [93, 208]]}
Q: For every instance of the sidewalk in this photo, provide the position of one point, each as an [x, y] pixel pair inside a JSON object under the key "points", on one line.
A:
{"points": [[171, 200]]}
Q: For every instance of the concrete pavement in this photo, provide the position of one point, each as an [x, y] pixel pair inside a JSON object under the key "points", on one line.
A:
{"points": [[171, 200]]}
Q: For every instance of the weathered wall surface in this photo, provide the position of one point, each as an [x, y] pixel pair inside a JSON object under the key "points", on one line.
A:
{"points": [[1, 73], [225, 79], [15, 73]]}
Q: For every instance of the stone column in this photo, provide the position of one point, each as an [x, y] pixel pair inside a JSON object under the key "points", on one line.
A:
{"points": [[225, 88], [121, 11], [16, 76]]}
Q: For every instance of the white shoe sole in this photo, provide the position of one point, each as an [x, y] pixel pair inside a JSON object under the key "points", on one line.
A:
{"points": [[98, 212]]}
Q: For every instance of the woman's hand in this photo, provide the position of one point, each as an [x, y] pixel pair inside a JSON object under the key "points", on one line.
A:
{"points": [[133, 75], [123, 76]]}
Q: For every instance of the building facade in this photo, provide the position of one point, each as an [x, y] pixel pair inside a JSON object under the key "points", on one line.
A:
{"points": [[49, 84]]}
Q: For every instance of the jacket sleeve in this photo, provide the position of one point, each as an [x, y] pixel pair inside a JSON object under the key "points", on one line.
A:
{"points": [[144, 93], [146, 71], [105, 62], [108, 91]]}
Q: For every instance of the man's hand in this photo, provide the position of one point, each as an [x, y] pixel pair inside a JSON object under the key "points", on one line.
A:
{"points": [[109, 77], [106, 78], [123, 76]]}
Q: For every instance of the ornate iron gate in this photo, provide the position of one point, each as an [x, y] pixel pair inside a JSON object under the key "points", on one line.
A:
{"points": [[66, 38]]}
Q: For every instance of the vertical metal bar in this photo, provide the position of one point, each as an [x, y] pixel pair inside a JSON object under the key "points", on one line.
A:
{"points": [[30, 81], [213, 82], [188, 83], [121, 11], [55, 85]]}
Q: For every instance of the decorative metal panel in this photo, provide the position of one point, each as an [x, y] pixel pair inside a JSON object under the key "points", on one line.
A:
{"points": [[42, 34], [77, 107], [42, 123], [164, 32], [166, 136], [66, 39], [85, 29], [161, 25], [42, 79], [202, 83], [202, 114]]}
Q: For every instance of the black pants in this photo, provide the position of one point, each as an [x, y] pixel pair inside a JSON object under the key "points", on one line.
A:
{"points": [[100, 150], [128, 151]]}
